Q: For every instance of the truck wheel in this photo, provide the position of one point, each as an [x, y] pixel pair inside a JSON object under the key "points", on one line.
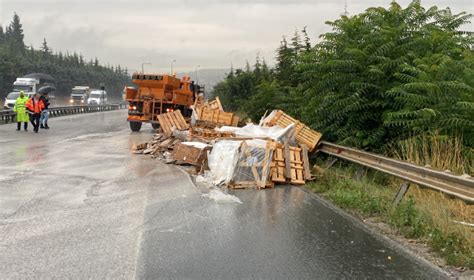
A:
{"points": [[155, 125], [135, 126]]}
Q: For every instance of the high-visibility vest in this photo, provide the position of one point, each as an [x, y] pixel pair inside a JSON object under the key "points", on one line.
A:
{"points": [[34, 106]]}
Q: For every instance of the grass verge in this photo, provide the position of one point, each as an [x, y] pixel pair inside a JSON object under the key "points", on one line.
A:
{"points": [[424, 215]]}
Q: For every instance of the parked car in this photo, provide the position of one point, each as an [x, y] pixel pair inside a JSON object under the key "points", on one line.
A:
{"points": [[97, 97], [11, 99]]}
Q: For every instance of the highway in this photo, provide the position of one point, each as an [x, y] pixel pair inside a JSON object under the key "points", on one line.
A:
{"points": [[76, 203]]}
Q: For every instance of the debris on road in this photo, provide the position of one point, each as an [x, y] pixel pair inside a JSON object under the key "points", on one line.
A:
{"points": [[252, 156]]}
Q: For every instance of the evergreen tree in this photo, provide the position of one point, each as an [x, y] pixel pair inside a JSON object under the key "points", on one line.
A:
{"points": [[15, 34], [2, 35], [65, 68], [306, 40], [44, 48]]}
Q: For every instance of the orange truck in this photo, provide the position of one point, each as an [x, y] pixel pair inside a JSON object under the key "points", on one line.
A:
{"points": [[157, 94]]}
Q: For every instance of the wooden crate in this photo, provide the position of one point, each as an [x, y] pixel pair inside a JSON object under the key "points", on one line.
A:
{"points": [[253, 167], [303, 134], [190, 154], [174, 119]]}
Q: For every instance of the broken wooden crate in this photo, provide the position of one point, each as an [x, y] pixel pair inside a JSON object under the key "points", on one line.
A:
{"points": [[172, 120], [191, 153], [253, 166], [303, 134]]}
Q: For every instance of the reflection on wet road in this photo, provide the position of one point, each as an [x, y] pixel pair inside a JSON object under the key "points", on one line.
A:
{"points": [[75, 203]]}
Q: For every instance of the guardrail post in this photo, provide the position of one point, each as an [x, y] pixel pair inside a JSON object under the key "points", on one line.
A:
{"points": [[401, 193], [359, 174], [330, 162]]}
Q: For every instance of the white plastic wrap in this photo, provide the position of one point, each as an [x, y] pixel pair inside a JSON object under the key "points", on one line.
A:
{"points": [[227, 128], [198, 145], [276, 133], [222, 161], [265, 120]]}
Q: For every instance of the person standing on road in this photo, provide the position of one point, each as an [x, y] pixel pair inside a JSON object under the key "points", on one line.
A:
{"points": [[20, 110], [45, 113], [35, 106]]}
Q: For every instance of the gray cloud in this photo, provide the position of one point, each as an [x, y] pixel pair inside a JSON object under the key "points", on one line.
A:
{"points": [[211, 33]]}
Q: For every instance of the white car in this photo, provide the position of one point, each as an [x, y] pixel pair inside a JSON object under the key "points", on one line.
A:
{"points": [[11, 99], [97, 97]]}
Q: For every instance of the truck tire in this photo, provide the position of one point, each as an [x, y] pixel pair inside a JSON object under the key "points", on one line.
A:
{"points": [[135, 126], [155, 125]]}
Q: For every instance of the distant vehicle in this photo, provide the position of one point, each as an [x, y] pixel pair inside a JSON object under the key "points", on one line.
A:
{"points": [[11, 99], [97, 97], [33, 82], [79, 95]]}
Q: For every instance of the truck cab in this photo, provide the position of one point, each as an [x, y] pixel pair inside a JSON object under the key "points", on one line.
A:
{"points": [[79, 95], [97, 97], [25, 84]]}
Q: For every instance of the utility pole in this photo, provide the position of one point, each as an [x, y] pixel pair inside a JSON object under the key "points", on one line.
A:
{"points": [[173, 61], [197, 79], [346, 13]]}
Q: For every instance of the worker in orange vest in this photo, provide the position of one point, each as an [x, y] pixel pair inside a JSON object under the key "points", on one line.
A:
{"points": [[34, 107]]}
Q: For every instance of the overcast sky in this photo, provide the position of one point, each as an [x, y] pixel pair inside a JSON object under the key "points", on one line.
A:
{"points": [[209, 33]]}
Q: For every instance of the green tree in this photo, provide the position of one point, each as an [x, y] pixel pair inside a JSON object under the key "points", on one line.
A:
{"points": [[14, 34], [44, 48], [389, 73], [2, 35]]}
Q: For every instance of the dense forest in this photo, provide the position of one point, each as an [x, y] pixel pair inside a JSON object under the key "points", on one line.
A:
{"points": [[68, 69], [378, 77]]}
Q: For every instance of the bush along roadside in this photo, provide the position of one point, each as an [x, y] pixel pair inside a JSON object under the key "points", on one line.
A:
{"points": [[424, 215]]}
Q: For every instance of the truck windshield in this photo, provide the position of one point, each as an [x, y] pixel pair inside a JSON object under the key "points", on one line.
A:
{"points": [[22, 88], [78, 92]]}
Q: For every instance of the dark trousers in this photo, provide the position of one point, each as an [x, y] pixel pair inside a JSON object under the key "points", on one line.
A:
{"points": [[35, 121], [19, 125]]}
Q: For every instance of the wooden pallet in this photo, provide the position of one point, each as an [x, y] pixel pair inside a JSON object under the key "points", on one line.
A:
{"points": [[296, 166], [303, 134], [278, 166], [290, 165], [249, 185], [214, 104], [208, 134], [172, 120], [217, 116]]}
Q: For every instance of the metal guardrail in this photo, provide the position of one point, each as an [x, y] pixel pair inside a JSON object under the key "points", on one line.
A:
{"points": [[7, 116], [454, 185]]}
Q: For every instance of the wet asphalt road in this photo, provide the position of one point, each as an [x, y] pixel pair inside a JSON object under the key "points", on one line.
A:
{"points": [[75, 203]]}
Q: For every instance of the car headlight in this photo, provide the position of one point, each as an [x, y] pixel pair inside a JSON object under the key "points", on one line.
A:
{"points": [[82, 101], [71, 101]]}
